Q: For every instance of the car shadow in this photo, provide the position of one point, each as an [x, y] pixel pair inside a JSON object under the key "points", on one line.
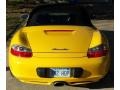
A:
{"points": [[7, 68], [108, 80]]}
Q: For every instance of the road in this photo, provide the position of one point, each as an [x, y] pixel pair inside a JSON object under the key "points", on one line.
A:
{"points": [[104, 84]]}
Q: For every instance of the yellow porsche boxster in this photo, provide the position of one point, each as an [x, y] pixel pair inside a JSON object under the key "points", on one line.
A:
{"points": [[57, 44]]}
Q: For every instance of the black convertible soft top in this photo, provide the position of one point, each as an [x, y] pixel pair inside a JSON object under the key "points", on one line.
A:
{"points": [[59, 14]]}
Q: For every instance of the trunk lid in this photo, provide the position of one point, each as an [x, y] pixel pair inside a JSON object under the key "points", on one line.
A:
{"points": [[61, 39]]}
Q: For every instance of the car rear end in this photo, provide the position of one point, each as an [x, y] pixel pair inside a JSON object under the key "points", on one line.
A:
{"points": [[62, 48], [73, 56]]}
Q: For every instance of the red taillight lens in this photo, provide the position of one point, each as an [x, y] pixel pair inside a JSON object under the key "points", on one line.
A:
{"points": [[22, 51], [97, 51]]}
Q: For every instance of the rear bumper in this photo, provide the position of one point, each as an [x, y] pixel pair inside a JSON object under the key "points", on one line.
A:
{"points": [[69, 81], [24, 69]]}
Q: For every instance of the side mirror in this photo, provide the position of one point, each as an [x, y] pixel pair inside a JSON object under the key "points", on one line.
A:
{"points": [[24, 16]]}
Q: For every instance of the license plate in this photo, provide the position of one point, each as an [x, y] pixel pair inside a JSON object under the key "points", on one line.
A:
{"points": [[60, 72]]}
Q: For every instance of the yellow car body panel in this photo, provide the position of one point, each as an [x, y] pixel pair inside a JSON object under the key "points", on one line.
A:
{"points": [[73, 40], [76, 44]]}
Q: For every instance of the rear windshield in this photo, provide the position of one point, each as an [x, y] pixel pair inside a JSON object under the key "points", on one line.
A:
{"points": [[59, 18]]}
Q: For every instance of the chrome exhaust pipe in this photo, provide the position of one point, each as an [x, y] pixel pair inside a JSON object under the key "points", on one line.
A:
{"points": [[58, 83]]}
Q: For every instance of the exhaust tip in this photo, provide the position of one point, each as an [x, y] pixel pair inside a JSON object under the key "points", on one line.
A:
{"points": [[59, 84]]}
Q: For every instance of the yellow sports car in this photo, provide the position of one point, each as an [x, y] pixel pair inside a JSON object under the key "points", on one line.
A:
{"points": [[57, 44]]}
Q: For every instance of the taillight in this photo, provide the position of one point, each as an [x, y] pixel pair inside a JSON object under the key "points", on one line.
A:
{"points": [[22, 51], [97, 51]]}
